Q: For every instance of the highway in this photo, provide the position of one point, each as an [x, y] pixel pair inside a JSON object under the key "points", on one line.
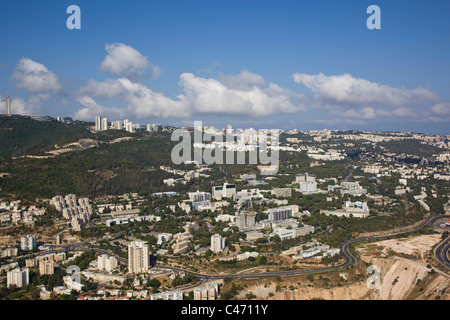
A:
{"points": [[441, 253]]}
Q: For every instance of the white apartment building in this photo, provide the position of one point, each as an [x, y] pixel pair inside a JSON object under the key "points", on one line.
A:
{"points": [[28, 243], [138, 257], [199, 196], [104, 124], [106, 263], [217, 243], [168, 295], [46, 267], [17, 277], [281, 213], [208, 292], [71, 284], [98, 123], [245, 219]]}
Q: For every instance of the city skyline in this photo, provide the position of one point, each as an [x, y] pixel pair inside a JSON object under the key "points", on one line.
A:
{"points": [[263, 65]]}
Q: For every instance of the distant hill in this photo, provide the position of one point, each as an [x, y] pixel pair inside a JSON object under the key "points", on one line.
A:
{"points": [[22, 135], [411, 146], [115, 166]]}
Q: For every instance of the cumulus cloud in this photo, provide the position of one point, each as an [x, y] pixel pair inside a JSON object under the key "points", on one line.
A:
{"points": [[125, 61], [92, 109], [243, 81], [144, 102], [441, 109], [109, 88], [244, 94], [348, 91], [35, 77]]}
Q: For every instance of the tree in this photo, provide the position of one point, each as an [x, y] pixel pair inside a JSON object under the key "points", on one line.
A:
{"points": [[154, 283], [262, 260]]}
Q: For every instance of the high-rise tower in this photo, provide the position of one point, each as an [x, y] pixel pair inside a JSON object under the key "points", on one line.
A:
{"points": [[8, 106]]}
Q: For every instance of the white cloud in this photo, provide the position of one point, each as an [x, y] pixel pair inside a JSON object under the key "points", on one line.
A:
{"points": [[348, 91], [201, 95], [243, 81], [125, 61], [340, 122], [144, 102], [35, 77], [109, 88], [371, 113], [441, 109], [251, 99], [404, 112], [92, 109]]}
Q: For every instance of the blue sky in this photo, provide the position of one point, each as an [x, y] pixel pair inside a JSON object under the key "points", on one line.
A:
{"points": [[262, 64]]}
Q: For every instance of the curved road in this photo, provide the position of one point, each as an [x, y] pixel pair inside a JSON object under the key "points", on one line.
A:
{"points": [[441, 253], [350, 259]]}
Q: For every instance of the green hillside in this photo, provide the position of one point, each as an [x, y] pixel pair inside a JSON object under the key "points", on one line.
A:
{"points": [[20, 135]]}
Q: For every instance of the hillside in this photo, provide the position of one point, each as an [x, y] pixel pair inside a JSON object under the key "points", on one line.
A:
{"points": [[21, 135], [120, 162]]}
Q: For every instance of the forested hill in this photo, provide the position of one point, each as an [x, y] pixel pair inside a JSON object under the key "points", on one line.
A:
{"points": [[111, 168], [22, 135]]}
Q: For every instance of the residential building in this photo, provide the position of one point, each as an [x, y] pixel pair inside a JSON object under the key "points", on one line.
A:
{"points": [[46, 267], [281, 213], [168, 295], [104, 124], [282, 192], [245, 219], [28, 243], [17, 277], [71, 284], [217, 243], [138, 257], [98, 124], [199, 196], [106, 263], [207, 292]]}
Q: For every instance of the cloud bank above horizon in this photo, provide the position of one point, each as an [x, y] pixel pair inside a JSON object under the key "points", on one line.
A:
{"points": [[246, 94]]}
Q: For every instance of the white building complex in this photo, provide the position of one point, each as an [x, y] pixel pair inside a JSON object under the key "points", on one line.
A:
{"points": [[225, 191], [106, 263], [356, 209], [307, 182], [208, 292], [78, 211], [168, 295]]}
